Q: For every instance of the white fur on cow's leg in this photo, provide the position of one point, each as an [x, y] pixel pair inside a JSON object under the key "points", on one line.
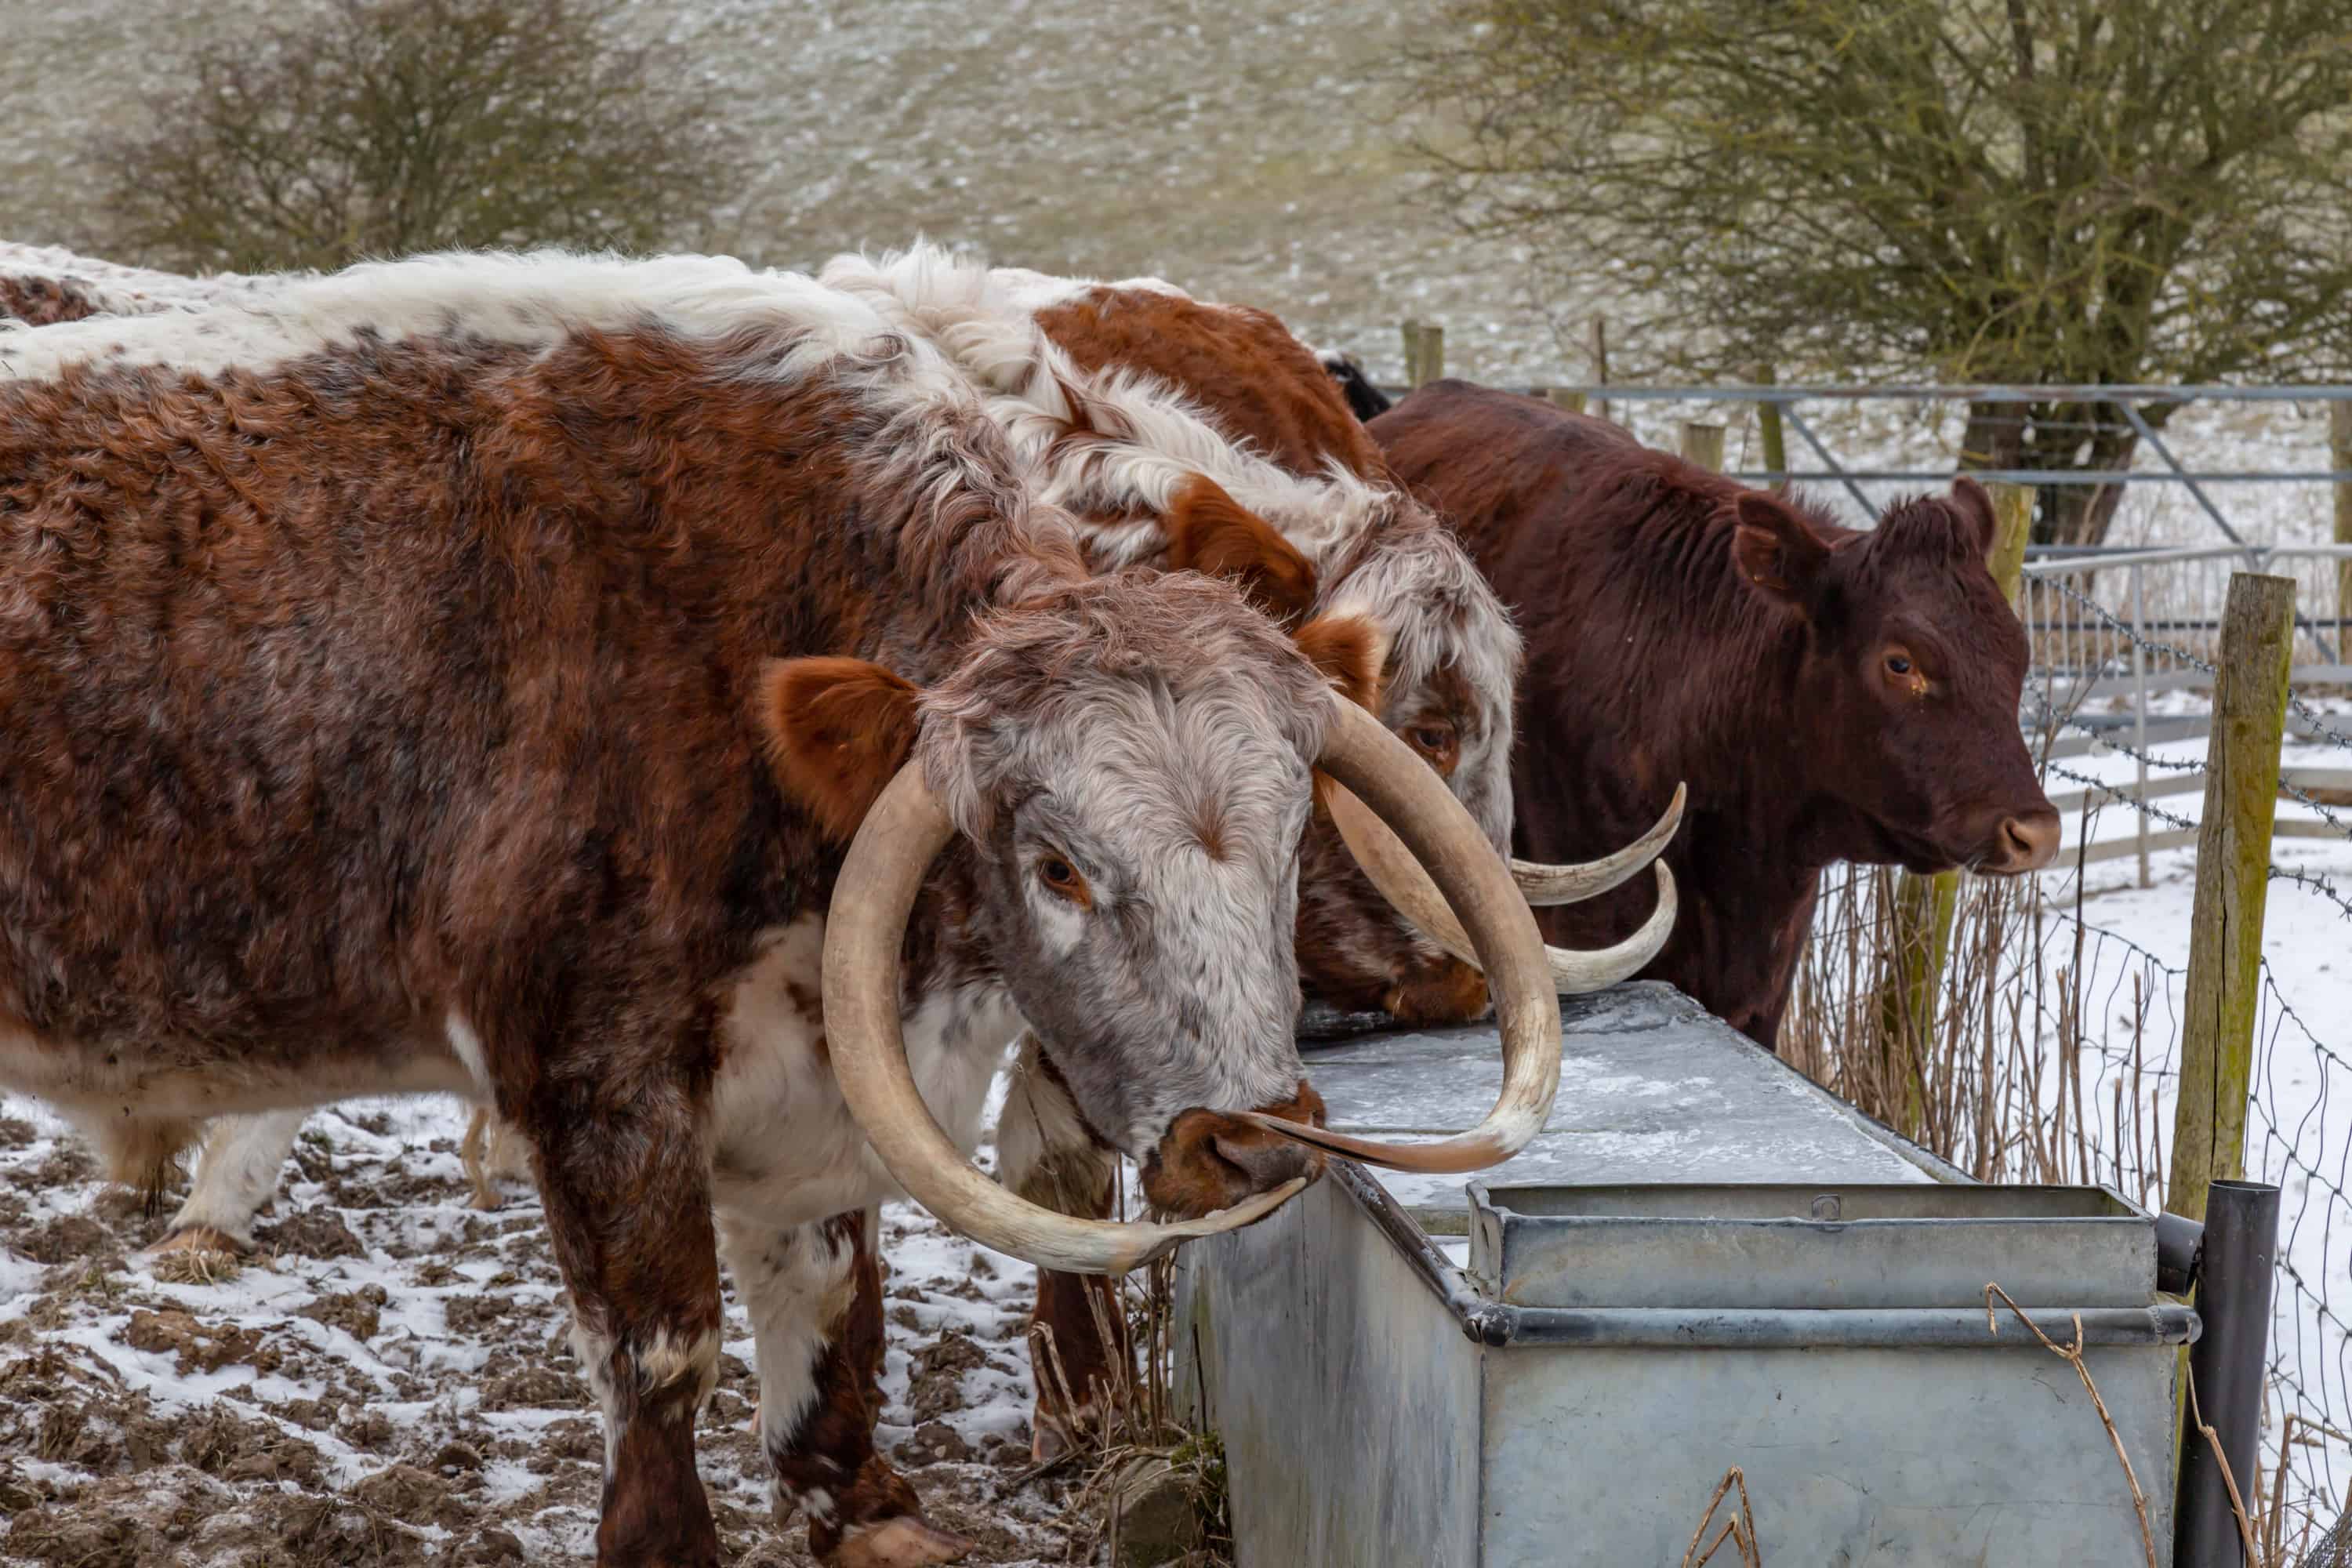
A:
{"points": [[1045, 1152], [235, 1175], [814, 1293], [794, 1282]]}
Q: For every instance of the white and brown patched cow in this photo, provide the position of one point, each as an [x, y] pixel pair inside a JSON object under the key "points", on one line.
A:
{"points": [[470, 675], [1148, 413], [1131, 403]]}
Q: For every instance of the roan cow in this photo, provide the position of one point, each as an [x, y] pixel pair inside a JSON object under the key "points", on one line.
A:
{"points": [[477, 674], [1156, 418], [1828, 694], [1150, 457]]}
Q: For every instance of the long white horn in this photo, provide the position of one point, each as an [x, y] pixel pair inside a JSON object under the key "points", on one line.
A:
{"points": [[1543, 885], [864, 928], [1404, 884], [1409, 798]]}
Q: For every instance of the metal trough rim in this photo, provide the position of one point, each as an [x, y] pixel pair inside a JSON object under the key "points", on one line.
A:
{"points": [[1500, 1325], [1494, 1200]]}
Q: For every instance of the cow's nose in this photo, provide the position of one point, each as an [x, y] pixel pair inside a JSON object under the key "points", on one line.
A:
{"points": [[1267, 1161], [2027, 843]]}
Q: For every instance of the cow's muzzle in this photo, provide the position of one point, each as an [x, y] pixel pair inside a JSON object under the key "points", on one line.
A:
{"points": [[2020, 844], [1210, 1160]]}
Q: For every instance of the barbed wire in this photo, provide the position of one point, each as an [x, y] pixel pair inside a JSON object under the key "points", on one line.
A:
{"points": [[2117, 624], [2310, 882], [2122, 793]]}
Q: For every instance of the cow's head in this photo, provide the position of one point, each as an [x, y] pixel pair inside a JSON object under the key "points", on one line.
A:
{"points": [[1911, 667], [1371, 936], [1124, 766]]}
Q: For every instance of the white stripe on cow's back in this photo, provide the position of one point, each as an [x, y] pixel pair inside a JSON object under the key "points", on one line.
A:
{"points": [[985, 320], [525, 298], [123, 291]]}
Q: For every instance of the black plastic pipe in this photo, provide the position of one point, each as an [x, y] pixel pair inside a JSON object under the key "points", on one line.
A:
{"points": [[2233, 1298]]}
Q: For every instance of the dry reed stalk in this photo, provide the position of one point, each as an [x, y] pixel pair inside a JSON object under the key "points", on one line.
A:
{"points": [[2073, 1355], [1740, 1529]]}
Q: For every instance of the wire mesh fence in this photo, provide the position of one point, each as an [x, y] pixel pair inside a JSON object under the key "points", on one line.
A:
{"points": [[2051, 1051]]}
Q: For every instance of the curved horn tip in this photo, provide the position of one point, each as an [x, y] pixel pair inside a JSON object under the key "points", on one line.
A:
{"points": [[1547, 886], [1458, 1155], [1575, 972]]}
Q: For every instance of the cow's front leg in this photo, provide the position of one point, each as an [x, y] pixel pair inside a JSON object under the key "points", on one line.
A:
{"points": [[627, 1193], [1079, 1354], [814, 1296]]}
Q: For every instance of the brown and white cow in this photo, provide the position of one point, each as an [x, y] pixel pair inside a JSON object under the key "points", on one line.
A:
{"points": [[1121, 397], [1828, 694], [1147, 439], [464, 675]]}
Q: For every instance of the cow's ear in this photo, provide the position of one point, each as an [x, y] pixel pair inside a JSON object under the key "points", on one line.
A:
{"points": [[1350, 650], [1979, 526], [1209, 532], [835, 732], [1777, 550]]}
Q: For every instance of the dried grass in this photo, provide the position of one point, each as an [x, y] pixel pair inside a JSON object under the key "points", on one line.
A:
{"points": [[1141, 1426], [1739, 1528]]}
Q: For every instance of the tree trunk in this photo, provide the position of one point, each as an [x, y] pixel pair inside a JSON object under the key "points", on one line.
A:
{"points": [[2081, 438], [1995, 438]]}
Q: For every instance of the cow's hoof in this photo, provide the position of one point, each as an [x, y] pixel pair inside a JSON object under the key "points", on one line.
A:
{"points": [[904, 1542], [199, 1238]]}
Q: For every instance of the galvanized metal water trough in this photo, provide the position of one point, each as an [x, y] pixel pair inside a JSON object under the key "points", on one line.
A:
{"points": [[1703, 1263]]}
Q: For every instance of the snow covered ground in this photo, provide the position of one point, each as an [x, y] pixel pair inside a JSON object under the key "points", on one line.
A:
{"points": [[390, 1383]]}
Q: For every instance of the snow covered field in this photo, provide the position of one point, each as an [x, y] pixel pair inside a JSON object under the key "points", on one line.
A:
{"points": [[390, 1384]]}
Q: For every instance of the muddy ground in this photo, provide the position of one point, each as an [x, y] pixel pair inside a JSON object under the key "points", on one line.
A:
{"points": [[388, 1381]]}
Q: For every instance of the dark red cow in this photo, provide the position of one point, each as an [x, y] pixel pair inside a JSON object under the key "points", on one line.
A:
{"points": [[1827, 694]]}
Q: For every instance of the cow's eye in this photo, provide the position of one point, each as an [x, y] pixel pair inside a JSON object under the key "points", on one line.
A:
{"points": [[1433, 737], [1899, 664], [1062, 878]]}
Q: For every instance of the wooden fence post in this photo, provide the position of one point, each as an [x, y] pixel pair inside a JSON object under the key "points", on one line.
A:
{"points": [[1410, 328], [1767, 426], [2340, 458], [1566, 398], [2233, 863], [1703, 445], [1430, 364], [1599, 365], [1926, 906]]}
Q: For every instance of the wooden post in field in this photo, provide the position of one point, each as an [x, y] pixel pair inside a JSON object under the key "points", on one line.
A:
{"points": [[1925, 907], [2233, 863], [1567, 398], [1767, 426], [2340, 458], [1430, 364], [1599, 365], [1411, 331], [1703, 445]]}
